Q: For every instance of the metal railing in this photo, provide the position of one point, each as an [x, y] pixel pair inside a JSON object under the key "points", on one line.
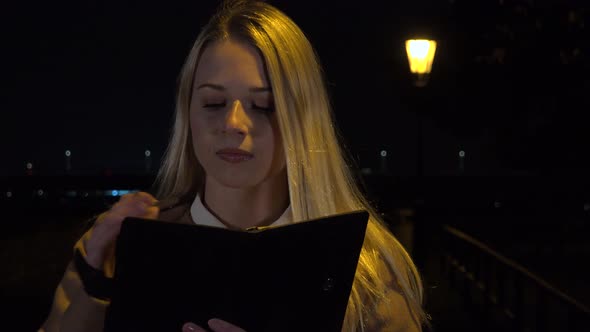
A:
{"points": [[502, 294]]}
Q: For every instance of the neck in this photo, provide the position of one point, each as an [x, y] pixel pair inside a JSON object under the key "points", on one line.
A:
{"points": [[242, 208]]}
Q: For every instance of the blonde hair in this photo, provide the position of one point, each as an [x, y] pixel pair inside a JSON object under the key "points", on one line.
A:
{"points": [[320, 181]]}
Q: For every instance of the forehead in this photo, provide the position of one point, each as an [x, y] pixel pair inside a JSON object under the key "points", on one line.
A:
{"points": [[231, 62]]}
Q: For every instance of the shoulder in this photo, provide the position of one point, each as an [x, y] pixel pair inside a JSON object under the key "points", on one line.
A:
{"points": [[392, 310], [393, 313]]}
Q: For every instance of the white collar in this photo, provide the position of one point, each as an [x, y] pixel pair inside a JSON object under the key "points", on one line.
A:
{"points": [[202, 216]]}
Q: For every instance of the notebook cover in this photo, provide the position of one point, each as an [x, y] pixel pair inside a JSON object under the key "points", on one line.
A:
{"points": [[295, 277]]}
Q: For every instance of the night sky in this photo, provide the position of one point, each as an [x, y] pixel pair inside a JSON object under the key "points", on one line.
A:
{"points": [[509, 83]]}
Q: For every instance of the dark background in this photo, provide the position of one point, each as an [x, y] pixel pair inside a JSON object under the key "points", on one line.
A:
{"points": [[509, 87], [508, 84]]}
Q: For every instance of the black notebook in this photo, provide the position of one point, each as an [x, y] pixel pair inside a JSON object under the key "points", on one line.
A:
{"points": [[295, 277]]}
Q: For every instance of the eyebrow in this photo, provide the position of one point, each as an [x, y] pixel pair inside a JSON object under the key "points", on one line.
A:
{"points": [[222, 88]]}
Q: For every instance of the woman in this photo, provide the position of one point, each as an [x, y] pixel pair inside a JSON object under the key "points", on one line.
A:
{"points": [[253, 144]]}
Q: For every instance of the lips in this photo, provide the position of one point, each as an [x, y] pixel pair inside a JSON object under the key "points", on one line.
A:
{"points": [[234, 155]]}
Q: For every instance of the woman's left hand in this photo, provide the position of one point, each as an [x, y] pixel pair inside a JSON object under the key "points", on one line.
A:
{"points": [[217, 325]]}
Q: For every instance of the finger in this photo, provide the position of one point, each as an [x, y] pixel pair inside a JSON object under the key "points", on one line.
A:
{"points": [[123, 202], [192, 327], [127, 197], [152, 213], [139, 196], [146, 197], [133, 208], [143, 210], [139, 208], [219, 325]]}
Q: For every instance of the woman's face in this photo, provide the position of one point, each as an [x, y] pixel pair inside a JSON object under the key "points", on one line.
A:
{"points": [[234, 129]]}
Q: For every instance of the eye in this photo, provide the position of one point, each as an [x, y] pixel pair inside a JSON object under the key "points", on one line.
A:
{"points": [[263, 109], [214, 105]]}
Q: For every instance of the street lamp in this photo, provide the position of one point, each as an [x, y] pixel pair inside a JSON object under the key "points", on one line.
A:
{"points": [[420, 57]]}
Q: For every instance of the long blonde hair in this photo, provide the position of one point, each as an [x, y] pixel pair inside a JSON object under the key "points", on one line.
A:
{"points": [[319, 176]]}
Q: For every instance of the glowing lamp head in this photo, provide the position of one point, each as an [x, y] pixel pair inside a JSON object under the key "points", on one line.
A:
{"points": [[420, 55]]}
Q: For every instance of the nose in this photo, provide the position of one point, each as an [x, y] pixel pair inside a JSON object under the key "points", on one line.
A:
{"points": [[237, 121]]}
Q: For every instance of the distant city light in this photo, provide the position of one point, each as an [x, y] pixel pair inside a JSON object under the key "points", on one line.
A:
{"points": [[462, 154], [148, 153], [114, 192], [68, 153], [29, 166], [383, 153]]}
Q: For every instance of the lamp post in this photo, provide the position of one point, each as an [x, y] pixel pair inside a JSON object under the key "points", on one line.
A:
{"points": [[420, 57]]}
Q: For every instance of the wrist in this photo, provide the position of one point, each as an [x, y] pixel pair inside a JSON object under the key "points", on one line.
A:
{"points": [[95, 261], [94, 281]]}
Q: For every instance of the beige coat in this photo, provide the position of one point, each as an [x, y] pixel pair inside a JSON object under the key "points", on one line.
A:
{"points": [[74, 310]]}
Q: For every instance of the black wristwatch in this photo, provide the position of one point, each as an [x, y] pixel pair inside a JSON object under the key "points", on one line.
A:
{"points": [[94, 281]]}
